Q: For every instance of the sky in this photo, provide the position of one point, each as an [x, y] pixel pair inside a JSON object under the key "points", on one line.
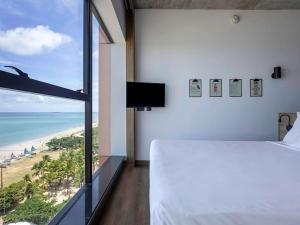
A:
{"points": [[45, 39]]}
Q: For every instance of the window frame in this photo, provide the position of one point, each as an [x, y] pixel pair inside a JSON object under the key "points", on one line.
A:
{"points": [[11, 81]]}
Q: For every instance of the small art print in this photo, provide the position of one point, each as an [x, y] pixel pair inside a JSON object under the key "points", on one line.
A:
{"points": [[195, 88], [215, 87], [235, 88], [256, 88]]}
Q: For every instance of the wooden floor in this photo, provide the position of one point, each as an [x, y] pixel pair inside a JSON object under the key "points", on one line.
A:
{"points": [[129, 203]]}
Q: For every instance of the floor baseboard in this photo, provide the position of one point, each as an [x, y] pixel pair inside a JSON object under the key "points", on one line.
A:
{"points": [[141, 163]]}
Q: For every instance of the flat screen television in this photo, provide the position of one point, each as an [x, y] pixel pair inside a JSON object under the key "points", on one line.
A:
{"points": [[145, 94]]}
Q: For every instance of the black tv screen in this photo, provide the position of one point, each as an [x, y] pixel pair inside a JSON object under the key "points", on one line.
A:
{"points": [[145, 94]]}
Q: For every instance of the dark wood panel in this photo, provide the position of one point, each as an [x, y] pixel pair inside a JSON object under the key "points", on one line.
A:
{"points": [[130, 76], [129, 202]]}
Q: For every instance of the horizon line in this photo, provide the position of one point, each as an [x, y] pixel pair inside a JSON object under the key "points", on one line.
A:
{"points": [[44, 112]]}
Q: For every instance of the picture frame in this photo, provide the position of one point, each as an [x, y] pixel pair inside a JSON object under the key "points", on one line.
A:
{"points": [[195, 88], [256, 87], [235, 88], [215, 87]]}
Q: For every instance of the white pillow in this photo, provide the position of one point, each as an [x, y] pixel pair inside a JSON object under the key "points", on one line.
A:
{"points": [[292, 138]]}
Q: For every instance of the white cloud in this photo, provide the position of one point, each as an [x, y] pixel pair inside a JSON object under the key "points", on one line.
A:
{"points": [[6, 62], [12, 101], [23, 99], [31, 41], [27, 98]]}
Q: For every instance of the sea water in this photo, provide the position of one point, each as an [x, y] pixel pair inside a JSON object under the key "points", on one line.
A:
{"points": [[20, 127]]}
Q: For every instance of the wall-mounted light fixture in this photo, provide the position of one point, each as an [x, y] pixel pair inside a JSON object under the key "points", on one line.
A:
{"points": [[235, 19], [289, 126], [277, 73]]}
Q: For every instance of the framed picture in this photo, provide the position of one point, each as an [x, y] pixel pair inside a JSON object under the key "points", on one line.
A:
{"points": [[215, 87], [195, 87], [235, 87], [256, 88]]}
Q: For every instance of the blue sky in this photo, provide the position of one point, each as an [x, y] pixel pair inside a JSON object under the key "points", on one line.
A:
{"points": [[43, 38]]}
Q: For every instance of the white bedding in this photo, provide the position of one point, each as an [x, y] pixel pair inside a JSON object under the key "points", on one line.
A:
{"points": [[224, 183]]}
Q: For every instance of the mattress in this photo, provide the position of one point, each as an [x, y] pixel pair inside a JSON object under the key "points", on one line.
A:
{"points": [[224, 183]]}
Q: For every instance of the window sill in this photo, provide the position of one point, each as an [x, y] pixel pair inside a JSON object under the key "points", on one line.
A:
{"points": [[83, 207]]}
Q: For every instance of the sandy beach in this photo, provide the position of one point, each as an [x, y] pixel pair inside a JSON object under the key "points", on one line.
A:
{"points": [[17, 169], [39, 143]]}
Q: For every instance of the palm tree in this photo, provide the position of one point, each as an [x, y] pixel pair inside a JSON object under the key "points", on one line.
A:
{"points": [[37, 167], [41, 170], [79, 167], [46, 158], [29, 190], [29, 186], [27, 178], [95, 160]]}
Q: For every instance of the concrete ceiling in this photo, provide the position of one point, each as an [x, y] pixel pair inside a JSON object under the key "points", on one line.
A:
{"points": [[217, 4]]}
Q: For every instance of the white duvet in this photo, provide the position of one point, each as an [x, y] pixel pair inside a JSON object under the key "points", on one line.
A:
{"points": [[224, 183]]}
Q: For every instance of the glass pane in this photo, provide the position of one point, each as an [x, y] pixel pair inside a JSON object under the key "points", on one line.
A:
{"points": [[44, 39], [101, 96], [95, 96], [41, 155]]}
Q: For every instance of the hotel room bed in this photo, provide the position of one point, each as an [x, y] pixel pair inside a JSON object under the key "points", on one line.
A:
{"points": [[224, 183]]}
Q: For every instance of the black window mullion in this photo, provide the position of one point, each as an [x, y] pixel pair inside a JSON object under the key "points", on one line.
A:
{"points": [[87, 82], [15, 82]]}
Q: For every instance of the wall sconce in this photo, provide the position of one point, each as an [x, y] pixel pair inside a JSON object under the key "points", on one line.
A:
{"points": [[289, 126], [277, 73], [235, 19]]}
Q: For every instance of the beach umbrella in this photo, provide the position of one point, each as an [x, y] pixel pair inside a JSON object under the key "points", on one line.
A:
{"points": [[33, 149], [12, 156], [26, 151]]}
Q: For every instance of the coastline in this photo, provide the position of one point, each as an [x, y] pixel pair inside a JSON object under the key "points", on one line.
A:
{"points": [[39, 143]]}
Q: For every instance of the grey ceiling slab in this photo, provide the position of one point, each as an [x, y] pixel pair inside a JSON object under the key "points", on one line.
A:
{"points": [[217, 4], [278, 4], [232, 4]]}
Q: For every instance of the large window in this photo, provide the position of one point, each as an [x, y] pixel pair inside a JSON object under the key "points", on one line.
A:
{"points": [[49, 125]]}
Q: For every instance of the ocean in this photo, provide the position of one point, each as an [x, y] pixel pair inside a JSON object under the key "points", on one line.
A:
{"points": [[20, 127]]}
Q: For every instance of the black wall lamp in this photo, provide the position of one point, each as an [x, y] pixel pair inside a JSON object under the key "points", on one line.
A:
{"points": [[289, 126], [277, 73]]}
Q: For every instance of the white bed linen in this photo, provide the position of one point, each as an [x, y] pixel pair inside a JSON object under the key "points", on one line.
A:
{"points": [[224, 183]]}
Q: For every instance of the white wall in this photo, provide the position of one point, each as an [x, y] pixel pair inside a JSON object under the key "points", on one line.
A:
{"points": [[118, 100], [173, 46]]}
